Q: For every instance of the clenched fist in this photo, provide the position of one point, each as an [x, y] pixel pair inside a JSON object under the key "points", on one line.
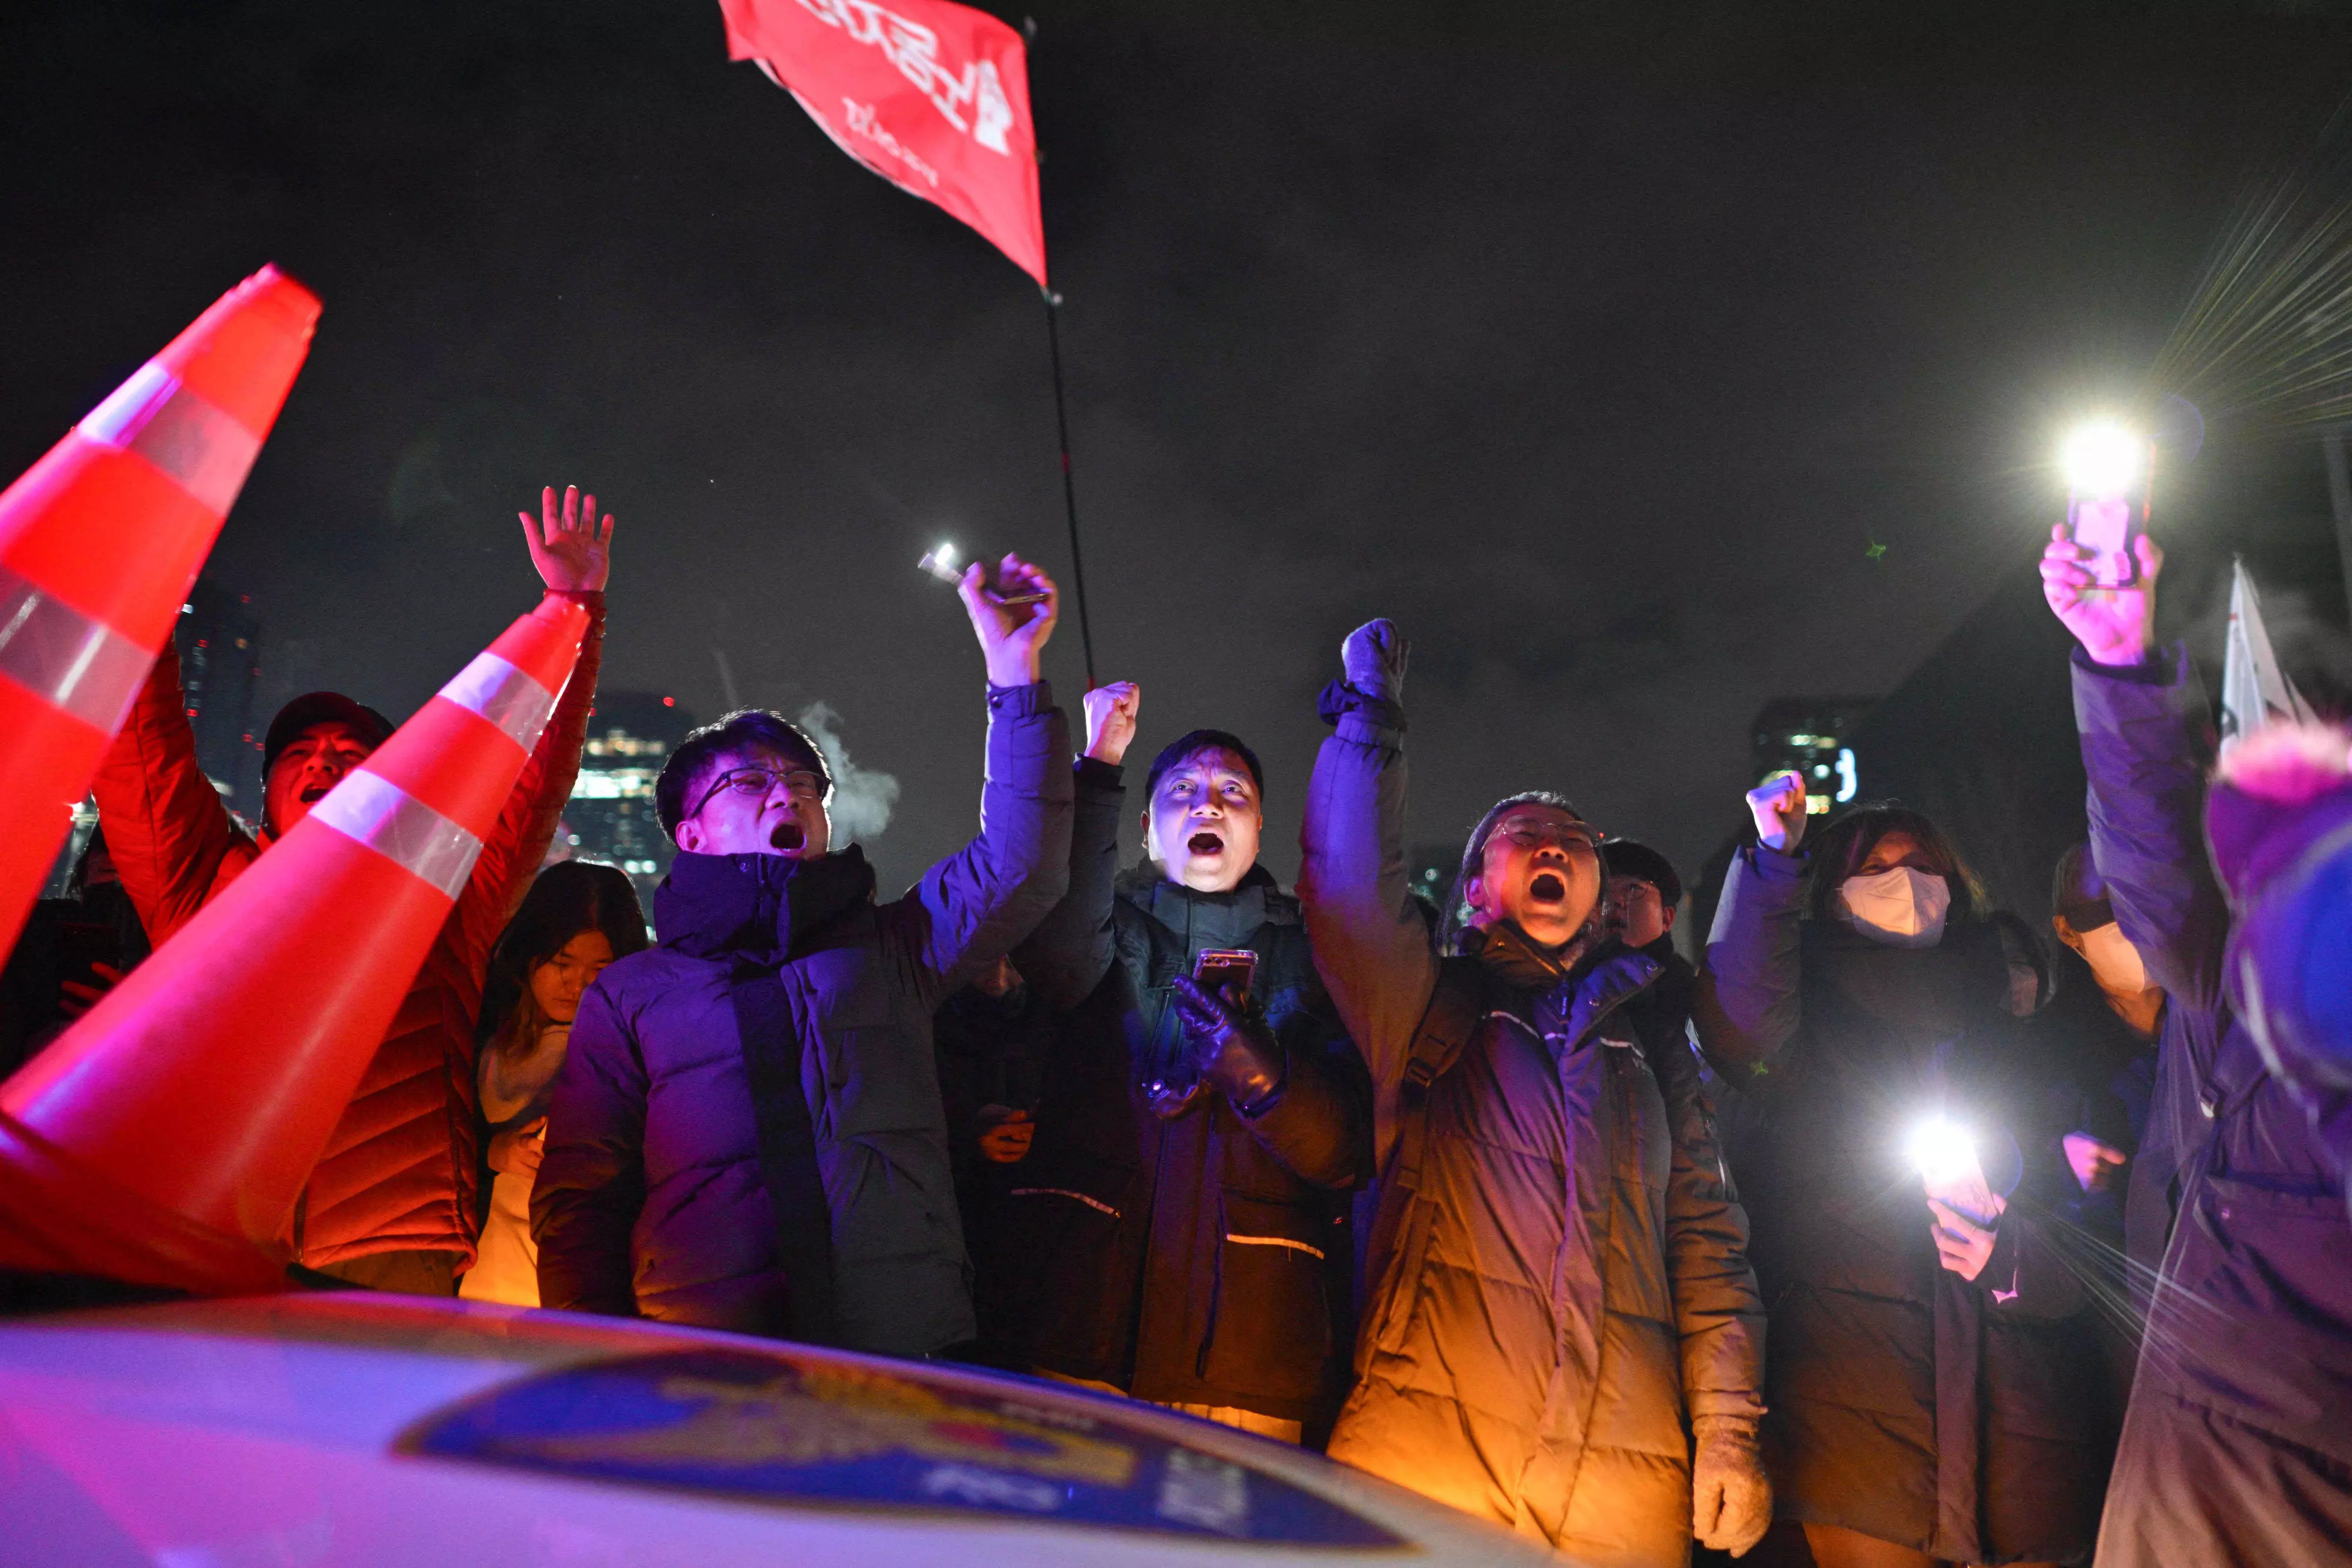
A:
{"points": [[1777, 804], [1373, 655]]}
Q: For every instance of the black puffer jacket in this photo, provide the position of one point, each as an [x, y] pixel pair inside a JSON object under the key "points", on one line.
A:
{"points": [[1200, 1260], [1972, 1420], [747, 1131]]}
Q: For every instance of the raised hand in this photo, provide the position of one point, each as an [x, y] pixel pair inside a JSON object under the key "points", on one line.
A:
{"points": [[1777, 804], [1011, 636], [1110, 720], [1374, 656], [573, 554], [2114, 625]]}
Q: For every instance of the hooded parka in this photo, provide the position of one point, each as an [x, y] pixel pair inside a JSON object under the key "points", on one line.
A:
{"points": [[747, 1131], [1200, 1260], [1557, 1277], [2237, 1447], [400, 1172], [1972, 1420]]}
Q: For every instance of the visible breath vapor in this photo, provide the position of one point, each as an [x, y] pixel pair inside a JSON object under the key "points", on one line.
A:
{"points": [[862, 797]]}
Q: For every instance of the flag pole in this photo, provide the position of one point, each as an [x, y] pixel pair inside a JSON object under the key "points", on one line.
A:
{"points": [[1070, 487], [1062, 419]]}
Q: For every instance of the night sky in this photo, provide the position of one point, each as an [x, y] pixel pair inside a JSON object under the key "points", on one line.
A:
{"points": [[1595, 349]]}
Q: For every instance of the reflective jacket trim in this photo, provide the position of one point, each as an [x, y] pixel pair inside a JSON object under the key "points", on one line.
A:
{"points": [[1065, 1193], [1275, 1241]]}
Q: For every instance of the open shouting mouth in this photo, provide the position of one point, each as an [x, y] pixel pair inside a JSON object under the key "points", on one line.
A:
{"points": [[1205, 844], [788, 837], [316, 793], [1547, 888]]}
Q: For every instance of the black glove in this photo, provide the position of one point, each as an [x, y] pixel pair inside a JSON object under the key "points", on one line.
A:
{"points": [[1229, 1046]]}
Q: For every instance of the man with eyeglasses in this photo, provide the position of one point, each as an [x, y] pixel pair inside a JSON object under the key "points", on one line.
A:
{"points": [[747, 1131], [1556, 1272]]}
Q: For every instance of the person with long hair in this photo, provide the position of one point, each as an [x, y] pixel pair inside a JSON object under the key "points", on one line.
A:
{"points": [[1934, 1377], [577, 917]]}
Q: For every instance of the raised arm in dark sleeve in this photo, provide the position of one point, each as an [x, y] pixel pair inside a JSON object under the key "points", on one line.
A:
{"points": [[970, 909], [1372, 945], [592, 1178], [1747, 1007], [2141, 727], [1067, 956]]}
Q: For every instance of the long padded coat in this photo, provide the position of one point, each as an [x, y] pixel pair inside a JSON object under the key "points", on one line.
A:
{"points": [[400, 1172], [2236, 1448], [747, 1133], [1969, 1419], [1569, 1282]]}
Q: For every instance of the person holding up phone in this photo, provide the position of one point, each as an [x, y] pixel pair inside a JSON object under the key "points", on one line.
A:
{"points": [[1179, 1231]]}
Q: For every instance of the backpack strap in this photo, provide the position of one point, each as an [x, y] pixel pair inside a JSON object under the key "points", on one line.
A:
{"points": [[1437, 1044]]}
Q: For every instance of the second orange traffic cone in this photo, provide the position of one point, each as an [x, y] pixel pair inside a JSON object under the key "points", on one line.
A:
{"points": [[194, 1099]]}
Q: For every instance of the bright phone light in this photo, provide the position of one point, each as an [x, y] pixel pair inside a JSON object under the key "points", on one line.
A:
{"points": [[942, 563], [2103, 459], [1940, 1148]]}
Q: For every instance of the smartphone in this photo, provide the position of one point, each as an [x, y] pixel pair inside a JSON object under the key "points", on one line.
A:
{"points": [[2108, 526], [1218, 968], [83, 944], [942, 563]]}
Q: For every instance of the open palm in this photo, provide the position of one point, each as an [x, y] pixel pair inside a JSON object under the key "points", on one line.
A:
{"points": [[573, 552]]}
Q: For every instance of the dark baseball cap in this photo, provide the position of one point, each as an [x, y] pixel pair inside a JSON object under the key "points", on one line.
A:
{"points": [[322, 708], [1625, 858]]}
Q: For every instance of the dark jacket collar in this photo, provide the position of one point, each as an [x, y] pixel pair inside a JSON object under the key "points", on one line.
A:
{"points": [[1559, 990], [759, 907], [1219, 920]]}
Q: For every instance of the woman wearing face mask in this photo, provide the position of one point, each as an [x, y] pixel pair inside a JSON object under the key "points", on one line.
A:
{"points": [[576, 919], [1935, 1375]]}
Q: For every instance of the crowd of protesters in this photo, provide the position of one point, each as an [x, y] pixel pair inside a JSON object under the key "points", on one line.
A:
{"points": [[1887, 1234]]}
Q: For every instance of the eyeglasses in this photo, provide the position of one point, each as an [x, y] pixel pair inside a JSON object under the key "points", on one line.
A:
{"points": [[1568, 835], [756, 782]]}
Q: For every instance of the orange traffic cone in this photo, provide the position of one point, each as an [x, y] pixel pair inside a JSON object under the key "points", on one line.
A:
{"points": [[99, 541], [164, 1139]]}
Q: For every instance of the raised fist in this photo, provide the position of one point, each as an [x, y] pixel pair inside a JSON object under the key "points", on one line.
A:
{"points": [[1777, 804], [1374, 657], [1110, 720]]}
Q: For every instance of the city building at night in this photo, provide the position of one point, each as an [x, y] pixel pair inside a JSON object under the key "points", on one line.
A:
{"points": [[611, 816]]}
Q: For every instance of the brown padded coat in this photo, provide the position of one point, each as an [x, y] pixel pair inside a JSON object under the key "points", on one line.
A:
{"points": [[399, 1172], [1569, 1280]]}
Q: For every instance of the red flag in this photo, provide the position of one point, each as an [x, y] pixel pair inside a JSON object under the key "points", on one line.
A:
{"points": [[933, 97]]}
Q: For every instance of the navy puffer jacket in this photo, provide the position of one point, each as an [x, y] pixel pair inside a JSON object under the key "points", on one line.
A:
{"points": [[747, 1131]]}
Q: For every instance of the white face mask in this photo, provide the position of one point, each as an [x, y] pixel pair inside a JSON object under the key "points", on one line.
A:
{"points": [[1901, 907]]}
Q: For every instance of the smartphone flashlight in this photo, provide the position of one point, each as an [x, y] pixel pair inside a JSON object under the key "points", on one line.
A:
{"points": [[942, 563], [2108, 468], [1940, 1148]]}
